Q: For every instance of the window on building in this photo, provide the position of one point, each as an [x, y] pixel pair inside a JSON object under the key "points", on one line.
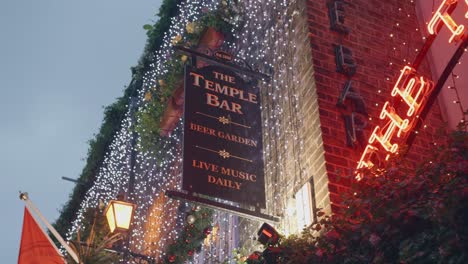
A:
{"points": [[304, 206]]}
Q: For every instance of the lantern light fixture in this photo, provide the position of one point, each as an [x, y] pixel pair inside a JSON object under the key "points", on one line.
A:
{"points": [[119, 215]]}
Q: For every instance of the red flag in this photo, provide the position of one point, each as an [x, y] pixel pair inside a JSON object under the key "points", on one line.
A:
{"points": [[36, 247]]}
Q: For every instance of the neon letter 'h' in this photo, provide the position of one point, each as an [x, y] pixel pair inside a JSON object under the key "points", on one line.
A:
{"points": [[443, 15]]}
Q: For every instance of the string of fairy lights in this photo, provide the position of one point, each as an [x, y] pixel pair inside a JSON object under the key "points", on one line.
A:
{"points": [[267, 42], [151, 168], [397, 62], [112, 175], [458, 101]]}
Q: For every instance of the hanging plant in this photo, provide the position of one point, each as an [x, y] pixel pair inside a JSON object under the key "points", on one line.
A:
{"points": [[164, 103], [401, 216], [150, 117], [91, 244], [191, 237]]}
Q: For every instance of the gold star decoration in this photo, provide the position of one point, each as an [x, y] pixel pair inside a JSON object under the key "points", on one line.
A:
{"points": [[223, 153], [223, 120]]}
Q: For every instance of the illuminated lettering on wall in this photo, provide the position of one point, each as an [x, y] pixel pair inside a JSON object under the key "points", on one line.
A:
{"points": [[394, 126], [412, 90], [442, 17], [466, 15]]}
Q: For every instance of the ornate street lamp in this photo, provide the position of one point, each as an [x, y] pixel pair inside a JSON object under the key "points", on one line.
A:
{"points": [[119, 215]]}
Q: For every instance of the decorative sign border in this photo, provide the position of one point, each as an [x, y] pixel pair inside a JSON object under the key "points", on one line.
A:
{"points": [[223, 150]]}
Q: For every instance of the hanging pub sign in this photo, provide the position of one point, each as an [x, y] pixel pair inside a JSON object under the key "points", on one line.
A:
{"points": [[223, 152]]}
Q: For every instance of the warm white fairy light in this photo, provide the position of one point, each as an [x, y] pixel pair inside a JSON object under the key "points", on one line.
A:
{"points": [[267, 42], [267, 49], [112, 175]]}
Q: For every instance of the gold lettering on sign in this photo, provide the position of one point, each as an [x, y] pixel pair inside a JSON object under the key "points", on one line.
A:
{"points": [[202, 129], [239, 174], [205, 165], [212, 99], [224, 182], [223, 135], [234, 174], [224, 77]]}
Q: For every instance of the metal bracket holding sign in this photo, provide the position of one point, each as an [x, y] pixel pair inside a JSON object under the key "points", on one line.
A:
{"points": [[221, 61]]}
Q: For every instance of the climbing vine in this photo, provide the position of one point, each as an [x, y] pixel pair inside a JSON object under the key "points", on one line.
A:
{"points": [[158, 97], [396, 215], [149, 115]]}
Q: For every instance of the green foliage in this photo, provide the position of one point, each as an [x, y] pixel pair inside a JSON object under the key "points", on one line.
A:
{"points": [[155, 34], [222, 18], [400, 216], [115, 113], [150, 117], [113, 116], [149, 126], [191, 238], [91, 245]]}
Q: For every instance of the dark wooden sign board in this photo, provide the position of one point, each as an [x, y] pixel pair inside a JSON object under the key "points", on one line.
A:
{"points": [[223, 150], [223, 146]]}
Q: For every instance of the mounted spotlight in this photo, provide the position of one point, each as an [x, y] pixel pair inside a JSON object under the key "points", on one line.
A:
{"points": [[267, 235]]}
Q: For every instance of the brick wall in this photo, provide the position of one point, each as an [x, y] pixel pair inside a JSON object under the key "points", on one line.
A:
{"points": [[383, 36], [292, 135], [304, 132]]}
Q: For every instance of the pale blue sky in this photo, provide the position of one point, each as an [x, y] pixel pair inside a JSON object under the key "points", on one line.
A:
{"points": [[60, 62]]}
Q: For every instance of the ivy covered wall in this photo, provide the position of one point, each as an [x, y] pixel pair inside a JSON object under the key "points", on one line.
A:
{"points": [[113, 116]]}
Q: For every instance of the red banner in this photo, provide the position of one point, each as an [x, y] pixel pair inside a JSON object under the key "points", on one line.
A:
{"points": [[35, 246]]}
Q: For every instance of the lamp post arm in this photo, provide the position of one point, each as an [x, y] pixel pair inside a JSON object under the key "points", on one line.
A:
{"points": [[32, 207]]}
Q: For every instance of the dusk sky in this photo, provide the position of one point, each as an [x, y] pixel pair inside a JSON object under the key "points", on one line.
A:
{"points": [[60, 63]]}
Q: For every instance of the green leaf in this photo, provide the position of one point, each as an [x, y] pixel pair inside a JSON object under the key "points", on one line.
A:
{"points": [[147, 27]]}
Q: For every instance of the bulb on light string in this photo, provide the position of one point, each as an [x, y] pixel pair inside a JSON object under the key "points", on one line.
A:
{"points": [[151, 77]]}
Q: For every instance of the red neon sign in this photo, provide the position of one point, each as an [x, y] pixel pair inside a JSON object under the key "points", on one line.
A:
{"points": [[395, 125], [412, 89], [442, 17], [466, 15]]}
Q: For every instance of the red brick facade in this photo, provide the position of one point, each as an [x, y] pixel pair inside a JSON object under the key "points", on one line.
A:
{"points": [[383, 36]]}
